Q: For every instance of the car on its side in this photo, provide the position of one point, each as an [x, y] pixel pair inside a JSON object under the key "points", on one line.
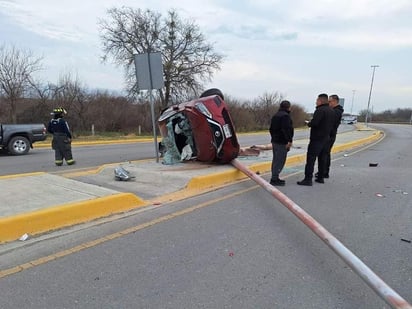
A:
{"points": [[17, 139], [201, 129]]}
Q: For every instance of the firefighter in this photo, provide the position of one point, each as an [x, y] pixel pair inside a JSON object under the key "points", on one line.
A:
{"points": [[62, 137]]}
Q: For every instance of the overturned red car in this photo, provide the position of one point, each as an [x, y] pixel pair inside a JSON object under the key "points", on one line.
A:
{"points": [[201, 129]]}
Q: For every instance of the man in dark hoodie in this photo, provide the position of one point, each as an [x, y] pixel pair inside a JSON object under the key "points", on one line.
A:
{"points": [[321, 127], [324, 157], [281, 132]]}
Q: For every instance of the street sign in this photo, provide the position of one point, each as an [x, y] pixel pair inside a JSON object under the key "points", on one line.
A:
{"points": [[149, 71]]}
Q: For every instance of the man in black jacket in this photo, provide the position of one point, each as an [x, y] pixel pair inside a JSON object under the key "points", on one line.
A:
{"points": [[324, 157], [320, 129], [281, 132]]}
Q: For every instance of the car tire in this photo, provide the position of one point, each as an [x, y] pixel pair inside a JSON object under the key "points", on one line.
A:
{"points": [[18, 145], [212, 91]]}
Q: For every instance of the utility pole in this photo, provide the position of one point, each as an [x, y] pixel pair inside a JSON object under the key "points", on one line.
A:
{"points": [[370, 93], [353, 98], [371, 115]]}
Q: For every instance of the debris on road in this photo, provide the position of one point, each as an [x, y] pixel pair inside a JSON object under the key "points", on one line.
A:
{"points": [[121, 174], [400, 191], [373, 164], [342, 165], [24, 237], [249, 151], [406, 240], [346, 155], [379, 195], [231, 254]]}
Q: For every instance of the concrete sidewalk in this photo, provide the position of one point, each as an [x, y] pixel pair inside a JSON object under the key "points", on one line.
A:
{"points": [[39, 202]]}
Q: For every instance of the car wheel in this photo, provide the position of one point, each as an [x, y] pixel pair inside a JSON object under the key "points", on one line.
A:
{"points": [[212, 91], [18, 145]]}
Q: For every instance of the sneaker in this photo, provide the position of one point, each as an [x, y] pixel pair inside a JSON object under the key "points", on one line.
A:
{"points": [[277, 179], [277, 182], [305, 182]]}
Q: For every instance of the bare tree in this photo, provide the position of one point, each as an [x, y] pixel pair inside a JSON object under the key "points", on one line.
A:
{"points": [[265, 106], [16, 75], [73, 96], [188, 59]]}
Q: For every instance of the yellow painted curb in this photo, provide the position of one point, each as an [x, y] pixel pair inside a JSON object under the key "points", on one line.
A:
{"points": [[363, 141], [215, 179], [102, 142], [22, 175], [52, 218]]}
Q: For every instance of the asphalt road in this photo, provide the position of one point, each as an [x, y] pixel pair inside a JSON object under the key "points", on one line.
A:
{"points": [[42, 159], [237, 247]]}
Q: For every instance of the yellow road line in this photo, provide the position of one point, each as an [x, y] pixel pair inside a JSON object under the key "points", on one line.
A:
{"points": [[22, 175], [93, 243]]}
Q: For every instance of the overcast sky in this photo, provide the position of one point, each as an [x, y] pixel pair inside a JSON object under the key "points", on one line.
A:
{"points": [[297, 47]]}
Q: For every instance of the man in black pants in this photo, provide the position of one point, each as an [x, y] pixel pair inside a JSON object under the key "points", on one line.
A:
{"points": [[281, 132], [324, 157], [320, 128]]}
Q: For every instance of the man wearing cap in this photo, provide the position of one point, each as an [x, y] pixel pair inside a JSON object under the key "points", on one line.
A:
{"points": [[281, 132], [62, 137]]}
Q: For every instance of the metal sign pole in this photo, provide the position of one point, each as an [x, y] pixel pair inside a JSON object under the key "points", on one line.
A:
{"points": [[154, 126], [152, 109]]}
